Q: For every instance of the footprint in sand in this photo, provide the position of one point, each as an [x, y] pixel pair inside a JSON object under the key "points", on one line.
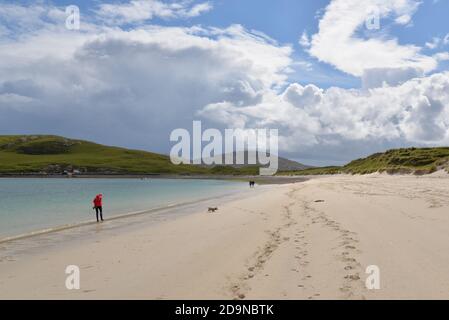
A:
{"points": [[353, 277]]}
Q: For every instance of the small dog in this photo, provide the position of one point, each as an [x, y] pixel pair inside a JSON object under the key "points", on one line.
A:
{"points": [[212, 209]]}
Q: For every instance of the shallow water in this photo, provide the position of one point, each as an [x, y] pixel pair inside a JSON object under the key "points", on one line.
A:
{"points": [[29, 204]]}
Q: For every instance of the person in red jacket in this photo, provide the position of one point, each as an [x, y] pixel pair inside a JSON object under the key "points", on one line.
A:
{"points": [[98, 206]]}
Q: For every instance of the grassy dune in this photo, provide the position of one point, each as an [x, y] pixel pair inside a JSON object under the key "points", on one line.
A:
{"points": [[408, 160], [54, 154]]}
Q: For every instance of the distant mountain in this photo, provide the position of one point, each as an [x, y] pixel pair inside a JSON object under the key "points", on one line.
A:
{"points": [[283, 163], [288, 165], [405, 160]]}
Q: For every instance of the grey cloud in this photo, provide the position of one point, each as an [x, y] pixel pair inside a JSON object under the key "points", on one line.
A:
{"points": [[377, 77], [133, 88]]}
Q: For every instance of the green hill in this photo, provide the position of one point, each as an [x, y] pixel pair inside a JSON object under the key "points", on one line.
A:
{"points": [[408, 160], [30, 154], [45, 154]]}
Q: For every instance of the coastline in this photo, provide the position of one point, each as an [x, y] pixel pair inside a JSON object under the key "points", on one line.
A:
{"points": [[310, 240], [258, 179]]}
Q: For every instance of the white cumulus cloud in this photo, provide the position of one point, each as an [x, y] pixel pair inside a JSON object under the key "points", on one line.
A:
{"points": [[416, 112], [338, 43]]}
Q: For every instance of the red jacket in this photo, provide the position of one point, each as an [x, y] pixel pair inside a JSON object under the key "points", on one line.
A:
{"points": [[98, 200]]}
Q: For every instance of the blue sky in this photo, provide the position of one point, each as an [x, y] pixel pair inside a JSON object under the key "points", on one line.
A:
{"points": [[335, 89]]}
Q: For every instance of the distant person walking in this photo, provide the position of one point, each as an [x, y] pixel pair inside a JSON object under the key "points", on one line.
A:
{"points": [[98, 206]]}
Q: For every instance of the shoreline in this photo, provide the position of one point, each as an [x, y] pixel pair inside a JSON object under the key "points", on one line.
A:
{"points": [[257, 179], [125, 215]]}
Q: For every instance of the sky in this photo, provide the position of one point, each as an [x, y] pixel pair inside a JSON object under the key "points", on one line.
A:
{"points": [[339, 79]]}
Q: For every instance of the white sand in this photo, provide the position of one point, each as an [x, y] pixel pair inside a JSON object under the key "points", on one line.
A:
{"points": [[277, 243]]}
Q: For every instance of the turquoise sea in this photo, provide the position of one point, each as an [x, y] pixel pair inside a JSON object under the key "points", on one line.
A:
{"points": [[31, 204]]}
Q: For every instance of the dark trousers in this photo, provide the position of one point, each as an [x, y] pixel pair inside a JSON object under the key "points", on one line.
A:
{"points": [[99, 210]]}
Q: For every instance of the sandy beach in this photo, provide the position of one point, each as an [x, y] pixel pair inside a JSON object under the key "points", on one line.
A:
{"points": [[307, 240]]}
